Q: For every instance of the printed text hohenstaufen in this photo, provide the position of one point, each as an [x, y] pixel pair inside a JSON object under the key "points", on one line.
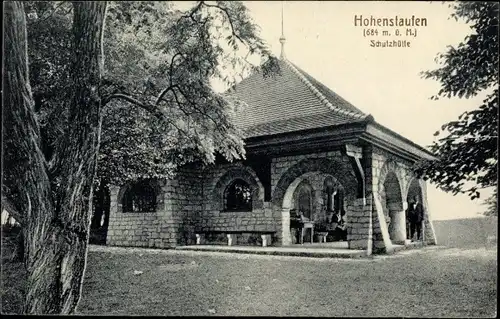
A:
{"points": [[396, 21]]}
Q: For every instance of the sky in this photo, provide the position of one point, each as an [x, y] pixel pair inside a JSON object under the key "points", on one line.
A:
{"points": [[321, 39]]}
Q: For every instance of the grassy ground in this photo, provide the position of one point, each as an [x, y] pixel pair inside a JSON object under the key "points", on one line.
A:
{"points": [[430, 283], [441, 283], [13, 280]]}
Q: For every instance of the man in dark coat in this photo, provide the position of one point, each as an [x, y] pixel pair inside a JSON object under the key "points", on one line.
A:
{"points": [[416, 217]]}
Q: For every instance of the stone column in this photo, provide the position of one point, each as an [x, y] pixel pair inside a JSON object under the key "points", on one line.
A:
{"points": [[360, 225], [398, 227], [286, 239], [317, 203], [428, 232], [398, 222]]}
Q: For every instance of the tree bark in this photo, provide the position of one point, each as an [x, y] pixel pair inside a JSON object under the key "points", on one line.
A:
{"points": [[57, 206], [26, 162], [79, 151]]}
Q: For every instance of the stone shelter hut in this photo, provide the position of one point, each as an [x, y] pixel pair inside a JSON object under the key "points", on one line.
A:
{"points": [[309, 151]]}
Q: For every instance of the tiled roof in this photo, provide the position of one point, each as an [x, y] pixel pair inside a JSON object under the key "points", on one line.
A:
{"points": [[288, 102]]}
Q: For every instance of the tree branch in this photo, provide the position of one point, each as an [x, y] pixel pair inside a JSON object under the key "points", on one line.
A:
{"points": [[151, 108], [217, 125], [162, 94], [228, 17]]}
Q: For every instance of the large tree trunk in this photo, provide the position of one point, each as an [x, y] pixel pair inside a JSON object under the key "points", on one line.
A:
{"points": [[58, 209], [25, 161], [78, 155]]}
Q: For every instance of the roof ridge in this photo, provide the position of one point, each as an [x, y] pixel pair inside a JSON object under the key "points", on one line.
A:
{"points": [[320, 96]]}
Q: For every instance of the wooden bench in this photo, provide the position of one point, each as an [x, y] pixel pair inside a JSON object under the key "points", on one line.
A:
{"points": [[266, 236]]}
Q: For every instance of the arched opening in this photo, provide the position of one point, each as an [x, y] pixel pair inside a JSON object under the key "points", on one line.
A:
{"points": [[393, 210], [140, 197], [286, 186], [333, 196], [238, 196], [290, 215], [334, 220], [237, 189], [414, 197], [303, 199], [302, 208]]}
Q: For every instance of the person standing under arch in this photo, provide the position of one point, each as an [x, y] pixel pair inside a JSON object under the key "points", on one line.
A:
{"points": [[416, 217]]}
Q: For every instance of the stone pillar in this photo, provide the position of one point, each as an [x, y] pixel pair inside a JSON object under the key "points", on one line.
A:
{"points": [[359, 235], [398, 227], [317, 202], [286, 239], [428, 232]]}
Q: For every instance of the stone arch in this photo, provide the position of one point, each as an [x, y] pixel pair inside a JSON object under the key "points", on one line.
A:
{"points": [[241, 172], [345, 175], [287, 184], [414, 189], [388, 167], [417, 187], [287, 204]]}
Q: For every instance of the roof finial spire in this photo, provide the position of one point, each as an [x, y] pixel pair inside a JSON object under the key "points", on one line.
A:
{"points": [[282, 38]]}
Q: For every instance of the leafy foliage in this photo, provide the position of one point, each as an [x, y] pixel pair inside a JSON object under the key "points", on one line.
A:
{"points": [[492, 204], [467, 148], [156, 90], [163, 60]]}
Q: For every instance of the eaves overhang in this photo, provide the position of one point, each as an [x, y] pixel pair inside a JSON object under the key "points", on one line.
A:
{"points": [[382, 137], [310, 140], [332, 137]]}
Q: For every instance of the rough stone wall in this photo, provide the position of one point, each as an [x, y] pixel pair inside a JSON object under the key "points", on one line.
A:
{"points": [[213, 217], [185, 197], [142, 229], [179, 202], [192, 202]]}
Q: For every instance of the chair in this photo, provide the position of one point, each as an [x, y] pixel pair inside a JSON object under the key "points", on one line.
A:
{"points": [[306, 224]]}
